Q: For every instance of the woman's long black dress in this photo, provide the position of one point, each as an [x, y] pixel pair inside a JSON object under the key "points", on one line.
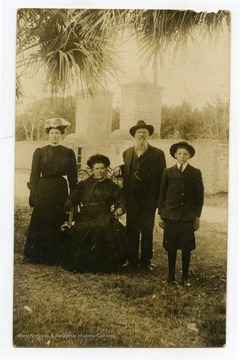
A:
{"points": [[48, 192], [98, 241]]}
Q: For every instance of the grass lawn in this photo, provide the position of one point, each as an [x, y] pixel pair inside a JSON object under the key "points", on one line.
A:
{"points": [[56, 308]]}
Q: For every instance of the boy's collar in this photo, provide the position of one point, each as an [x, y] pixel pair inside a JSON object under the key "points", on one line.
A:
{"points": [[183, 166]]}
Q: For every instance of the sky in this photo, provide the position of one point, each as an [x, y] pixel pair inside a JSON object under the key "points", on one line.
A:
{"points": [[197, 74]]}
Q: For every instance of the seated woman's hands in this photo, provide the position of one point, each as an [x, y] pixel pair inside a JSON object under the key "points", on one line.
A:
{"points": [[119, 212]]}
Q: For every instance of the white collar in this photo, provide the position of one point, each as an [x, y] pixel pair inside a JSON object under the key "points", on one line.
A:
{"points": [[183, 166]]}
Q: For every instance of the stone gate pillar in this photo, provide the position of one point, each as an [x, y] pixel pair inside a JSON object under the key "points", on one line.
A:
{"points": [[141, 100], [93, 117]]}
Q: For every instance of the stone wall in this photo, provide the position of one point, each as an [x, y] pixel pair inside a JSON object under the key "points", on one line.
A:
{"points": [[211, 157], [222, 156]]}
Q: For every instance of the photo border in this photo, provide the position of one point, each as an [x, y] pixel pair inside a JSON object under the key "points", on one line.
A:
{"points": [[234, 348]]}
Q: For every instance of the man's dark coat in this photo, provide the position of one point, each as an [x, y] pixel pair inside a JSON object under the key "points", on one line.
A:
{"points": [[149, 172]]}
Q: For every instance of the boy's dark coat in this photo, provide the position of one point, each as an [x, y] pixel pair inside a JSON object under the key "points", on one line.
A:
{"points": [[181, 194]]}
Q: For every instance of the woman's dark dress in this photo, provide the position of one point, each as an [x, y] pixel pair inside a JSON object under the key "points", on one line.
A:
{"points": [[98, 241], [48, 192]]}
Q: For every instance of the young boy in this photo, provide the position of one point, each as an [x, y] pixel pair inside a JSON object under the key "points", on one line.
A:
{"points": [[180, 206]]}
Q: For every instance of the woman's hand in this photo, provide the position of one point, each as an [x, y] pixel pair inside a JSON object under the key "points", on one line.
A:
{"points": [[31, 202], [32, 199], [118, 212]]}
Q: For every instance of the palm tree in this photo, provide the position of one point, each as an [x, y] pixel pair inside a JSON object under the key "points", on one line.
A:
{"points": [[70, 44], [77, 46]]}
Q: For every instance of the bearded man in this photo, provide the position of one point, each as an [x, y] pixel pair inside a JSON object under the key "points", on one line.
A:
{"points": [[142, 172]]}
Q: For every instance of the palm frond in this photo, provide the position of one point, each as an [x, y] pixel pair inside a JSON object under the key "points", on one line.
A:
{"points": [[19, 92], [78, 45], [157, 31]]}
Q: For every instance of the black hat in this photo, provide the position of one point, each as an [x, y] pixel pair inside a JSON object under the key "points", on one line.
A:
{"points": [[141, 125], [182, 144]]}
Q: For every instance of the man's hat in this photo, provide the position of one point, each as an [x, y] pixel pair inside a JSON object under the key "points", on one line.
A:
{"points": [[141, 125], [56, 123], [182, 144]]}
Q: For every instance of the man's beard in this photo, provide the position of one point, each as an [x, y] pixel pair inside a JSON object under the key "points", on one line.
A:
{"points": [[141, 146]]}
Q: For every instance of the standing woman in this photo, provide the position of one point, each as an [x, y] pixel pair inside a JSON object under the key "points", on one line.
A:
{"points": [[48, 191]]}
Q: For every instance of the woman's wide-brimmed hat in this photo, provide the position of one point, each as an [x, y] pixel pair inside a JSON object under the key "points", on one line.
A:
{"points": [[56, 123], [141, 125], [182, 144]]}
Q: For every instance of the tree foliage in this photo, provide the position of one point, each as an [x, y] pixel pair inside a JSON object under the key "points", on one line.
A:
{"points": [[177, 122], [72, 46], [184, 122], [216, 120], [29, 125]]}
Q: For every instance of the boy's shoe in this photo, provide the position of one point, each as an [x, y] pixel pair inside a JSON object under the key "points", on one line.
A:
{"points": [[171, 278], [185, 281]]}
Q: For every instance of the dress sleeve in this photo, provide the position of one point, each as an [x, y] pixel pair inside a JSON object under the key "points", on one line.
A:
{"points": [[76, 194], [35, 170], [34, 176], [72, 171]]}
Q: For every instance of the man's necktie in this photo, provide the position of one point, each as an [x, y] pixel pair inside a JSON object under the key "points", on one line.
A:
{"points": [[181, 168]]}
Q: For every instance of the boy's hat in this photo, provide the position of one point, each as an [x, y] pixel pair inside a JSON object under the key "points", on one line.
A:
{"points": [[184, 145]]}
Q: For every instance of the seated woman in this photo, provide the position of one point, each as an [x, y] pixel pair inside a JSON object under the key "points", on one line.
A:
{"points": [[98, 241]]}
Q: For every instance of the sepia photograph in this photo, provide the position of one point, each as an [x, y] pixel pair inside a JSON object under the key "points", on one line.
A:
{"points": [[122, 148], [121, 178]]}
